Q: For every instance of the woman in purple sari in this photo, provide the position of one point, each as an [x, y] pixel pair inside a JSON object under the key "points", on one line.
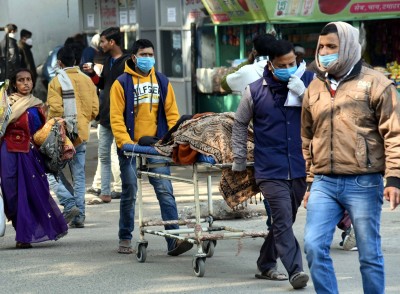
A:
{"points": [[27, 200]]}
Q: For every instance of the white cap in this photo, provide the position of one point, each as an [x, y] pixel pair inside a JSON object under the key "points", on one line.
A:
{"points": [[299, 49]]}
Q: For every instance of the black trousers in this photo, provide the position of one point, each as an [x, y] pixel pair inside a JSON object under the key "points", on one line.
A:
{"points": [[284, 197]]}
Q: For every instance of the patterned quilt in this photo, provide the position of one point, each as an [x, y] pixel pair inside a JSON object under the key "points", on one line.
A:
{"points": [[210, 134]]}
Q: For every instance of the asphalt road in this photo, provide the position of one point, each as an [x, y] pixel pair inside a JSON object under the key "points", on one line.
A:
{"points": [[86, 260]]}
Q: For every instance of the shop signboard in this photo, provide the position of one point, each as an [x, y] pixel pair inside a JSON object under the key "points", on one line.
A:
{"points": [[109, 17], [193, 12], [284, 11], [235, 11], [329, 10]]}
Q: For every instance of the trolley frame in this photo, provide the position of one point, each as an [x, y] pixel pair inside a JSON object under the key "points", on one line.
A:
{"points": [[205, 237]]}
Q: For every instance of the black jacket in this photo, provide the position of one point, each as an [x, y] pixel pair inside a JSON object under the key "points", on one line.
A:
{"points": [[14, 58], [107, 78], [27, 57]]}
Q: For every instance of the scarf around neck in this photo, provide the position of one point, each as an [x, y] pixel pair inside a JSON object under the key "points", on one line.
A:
{"points": [[349, 50], [68, 95], [19, 104]]}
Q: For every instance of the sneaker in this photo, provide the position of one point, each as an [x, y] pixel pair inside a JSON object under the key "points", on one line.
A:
{"points": [[299, 280], [93, 191], [181, 246], [349, 241], [71, 214], [115, 195], [77, 225], [78, 222]]}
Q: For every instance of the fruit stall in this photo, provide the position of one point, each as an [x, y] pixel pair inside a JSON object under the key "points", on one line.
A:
{"points": [[227, 37]]}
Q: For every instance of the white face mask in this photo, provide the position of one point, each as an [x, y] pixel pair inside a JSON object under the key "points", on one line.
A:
{"points": [[29, 41], [11, 35]]}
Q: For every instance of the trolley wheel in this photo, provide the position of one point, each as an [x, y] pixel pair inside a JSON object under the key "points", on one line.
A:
{"points": [[141, 253], [209, 248], [199, 267]]}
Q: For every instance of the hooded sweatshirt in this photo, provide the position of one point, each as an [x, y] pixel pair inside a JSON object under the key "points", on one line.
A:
{"points": [[349, 51], [147, 95]]}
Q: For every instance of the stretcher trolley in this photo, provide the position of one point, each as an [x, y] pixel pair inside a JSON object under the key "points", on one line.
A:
{"points": [[199, 231]]}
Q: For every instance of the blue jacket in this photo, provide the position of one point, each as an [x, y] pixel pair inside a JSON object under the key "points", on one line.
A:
{"points": [[277, 151]]}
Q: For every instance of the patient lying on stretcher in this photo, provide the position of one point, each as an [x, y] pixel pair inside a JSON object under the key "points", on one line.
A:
{"points": [[203, 137]]}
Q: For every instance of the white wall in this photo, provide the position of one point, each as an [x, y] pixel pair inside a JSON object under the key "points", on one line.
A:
{"points": [[50, 21]]}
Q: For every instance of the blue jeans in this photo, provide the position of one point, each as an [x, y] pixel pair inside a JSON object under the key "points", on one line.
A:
{"points": [[362, 197], [106, 140], [162, 188], [114, 166], [77, 166]]}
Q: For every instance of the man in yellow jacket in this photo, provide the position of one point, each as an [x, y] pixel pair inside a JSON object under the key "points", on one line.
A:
{"points": [[142, 103], [72, 95]]}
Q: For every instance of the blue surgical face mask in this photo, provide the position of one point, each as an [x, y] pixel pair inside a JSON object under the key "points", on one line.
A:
{"points": [[283, 74], [327, 60], [145, 63]]}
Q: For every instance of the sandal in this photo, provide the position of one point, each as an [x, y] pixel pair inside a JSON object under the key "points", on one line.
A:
{"points": [[95, 200], [105, 198], [99, 200], [125, 250], [272, 274], [125, 247], [21, 245]]}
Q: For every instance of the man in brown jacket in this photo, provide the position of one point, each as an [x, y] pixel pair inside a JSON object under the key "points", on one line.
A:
{"points": [[73, 96], [351, 138]]}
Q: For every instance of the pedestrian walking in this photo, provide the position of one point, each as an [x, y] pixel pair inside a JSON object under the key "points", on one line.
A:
{"points": [[350, 132], [27, 201], [110, 42], [73, 96], [278, 161]]}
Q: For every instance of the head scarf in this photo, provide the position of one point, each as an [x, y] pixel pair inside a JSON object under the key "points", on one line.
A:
{"points": [[95, 41], [349, 50]]}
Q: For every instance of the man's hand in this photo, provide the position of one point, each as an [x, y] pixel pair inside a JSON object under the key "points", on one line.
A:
{"points": [[128, 147], [88, 68], [238, 167], [296, 85], [305, 199], [392, 194]]}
